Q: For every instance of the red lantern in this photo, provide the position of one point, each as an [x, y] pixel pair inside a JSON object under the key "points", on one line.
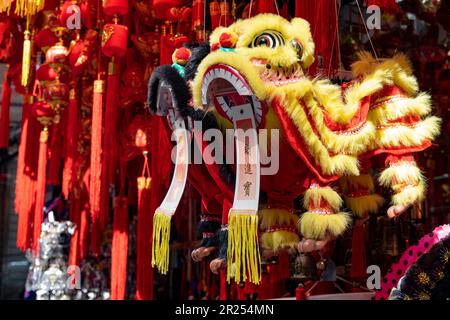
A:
{"points": [[56, 94], [115, 7], [48, 73], [114, 40], [56, 54], [43, 112], [45, 38]]}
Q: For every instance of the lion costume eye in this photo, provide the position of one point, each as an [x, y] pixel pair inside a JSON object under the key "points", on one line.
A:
{"points": [[269, 39]]}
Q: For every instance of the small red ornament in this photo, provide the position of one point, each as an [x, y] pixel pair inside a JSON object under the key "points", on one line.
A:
{"points": [[114, 40], [228, 39], [181, 56], [56, 54]]}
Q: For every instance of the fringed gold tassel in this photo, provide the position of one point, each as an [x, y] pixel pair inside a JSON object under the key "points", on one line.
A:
{"points": [[161, 237], [243, 248], [26, 57], [363, 205]]}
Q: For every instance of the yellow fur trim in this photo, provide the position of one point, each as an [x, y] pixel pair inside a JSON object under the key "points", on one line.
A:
{"points": [[397, 70], [243, 248], [316, 195], [278, 240], [161, 237], [361, 206], [338, 164], [401, 172], [410, 195], [340, 142], [215, 35], [275, 217], [318, 226], [408, 136], [357, 182], [400, 107]]}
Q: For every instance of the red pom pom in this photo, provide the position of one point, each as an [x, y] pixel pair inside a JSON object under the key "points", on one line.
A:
{"points": [[228, 39], [215, 46], [181, 56]]}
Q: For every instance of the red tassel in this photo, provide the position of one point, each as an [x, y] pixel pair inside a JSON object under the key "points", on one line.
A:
{"points": [[111, 118], [166, 47], [84, 228], [96, 150], [119, 250], [23, 187], [40, 191], [71, 143], [144, 273], [75, 217], [55, 156], [4, 121], [358, 269]]}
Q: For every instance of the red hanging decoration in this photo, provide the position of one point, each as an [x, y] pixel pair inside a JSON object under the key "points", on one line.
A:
{"points": [[55, 156], [119, 249], [322, 16], [4, 120], [40, 192], [144, 276], [71, 143], [25, 182], [96, 150], [266, 6], [75, 217]]}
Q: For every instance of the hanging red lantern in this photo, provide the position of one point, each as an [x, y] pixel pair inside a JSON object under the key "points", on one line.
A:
{"points": [[47, 73], [115, 7], [114, 40], [45, 39], [56, 93], [56, 54]]}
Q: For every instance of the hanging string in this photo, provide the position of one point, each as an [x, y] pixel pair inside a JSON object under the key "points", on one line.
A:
{"points": [[367, 30], [335, 37], [204, 21], [250, 9], [276, 6]]}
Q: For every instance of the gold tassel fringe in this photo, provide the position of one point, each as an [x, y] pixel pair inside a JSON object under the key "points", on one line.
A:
{"points": [[161, 237], [243, 248], [26, 58]]}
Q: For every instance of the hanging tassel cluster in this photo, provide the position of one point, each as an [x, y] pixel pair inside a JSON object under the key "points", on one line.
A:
{"points": [[26, 175], [4, 115], [161, 237], [119, 249], [243, 255]]}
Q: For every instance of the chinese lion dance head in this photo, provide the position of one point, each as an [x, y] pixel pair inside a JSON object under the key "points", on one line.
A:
{"points": [[331, 137]]}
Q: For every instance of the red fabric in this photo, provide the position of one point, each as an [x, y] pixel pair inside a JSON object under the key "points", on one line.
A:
{"points": [[297, 143], [322, 16], [4, 121], [358, 269], [119, 249], [266, 6]]}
